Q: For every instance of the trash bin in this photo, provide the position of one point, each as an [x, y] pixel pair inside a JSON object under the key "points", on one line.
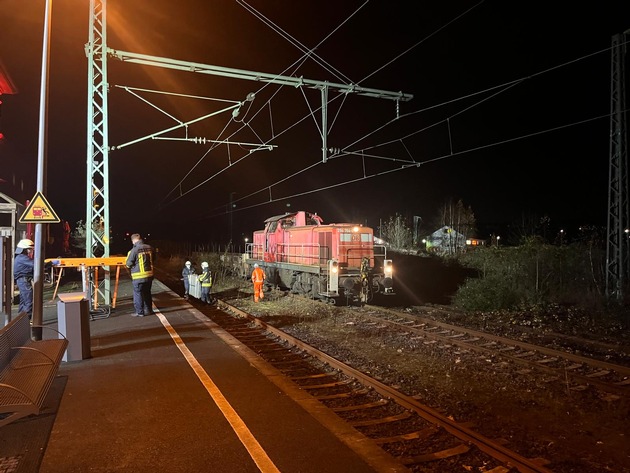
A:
{"points": [[73, 313]]}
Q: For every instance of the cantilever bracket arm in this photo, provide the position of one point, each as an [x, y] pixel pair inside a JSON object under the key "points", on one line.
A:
{"points": [[181, 125], [200, 68]]}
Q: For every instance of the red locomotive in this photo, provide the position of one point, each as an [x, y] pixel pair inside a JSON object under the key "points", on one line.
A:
{"points": [[333, 262]]}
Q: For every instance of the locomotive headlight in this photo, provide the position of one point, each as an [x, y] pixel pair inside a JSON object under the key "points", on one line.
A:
{"points": [[355, 229], [333, 277], [388, 268]]}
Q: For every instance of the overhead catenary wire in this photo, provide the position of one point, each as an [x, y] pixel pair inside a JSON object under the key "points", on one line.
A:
{"points": [[421, 41], [413, 163], [307, 53], [502, 88], [404, 166], [389, 122], [346, 152]]}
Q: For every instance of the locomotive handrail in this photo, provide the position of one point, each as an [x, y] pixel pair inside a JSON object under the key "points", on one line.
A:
{"points": [[356, 260], [284, 252], [312, 256], [384, 254]]}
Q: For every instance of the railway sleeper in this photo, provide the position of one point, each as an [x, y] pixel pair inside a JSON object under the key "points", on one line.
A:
{"points": [[547, 360], [328, 385], [313, 376], [524, 354], [442, 454], [381, 420], [369, 405], [598, 374], [346, 395], [417, 435]]}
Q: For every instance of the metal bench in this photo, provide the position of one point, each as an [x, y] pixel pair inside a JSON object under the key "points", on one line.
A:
{"points": [[27, 369]]}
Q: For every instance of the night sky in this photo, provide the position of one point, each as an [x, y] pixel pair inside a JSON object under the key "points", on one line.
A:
{"points": [[510, 111]]}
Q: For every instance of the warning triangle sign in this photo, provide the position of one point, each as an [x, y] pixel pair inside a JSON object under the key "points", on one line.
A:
{"points": [[39, 211]]}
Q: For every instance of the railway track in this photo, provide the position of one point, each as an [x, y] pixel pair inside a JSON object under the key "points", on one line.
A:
{"points": [[418, 436], [580, 372]]}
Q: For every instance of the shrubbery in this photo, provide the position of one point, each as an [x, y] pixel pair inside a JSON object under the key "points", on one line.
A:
{"points": [[533, 274]]}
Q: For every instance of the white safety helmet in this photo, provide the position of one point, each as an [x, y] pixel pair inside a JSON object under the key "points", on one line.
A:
{"points": [[204, 265], [255, 265], [25, 243], [188, 263]]}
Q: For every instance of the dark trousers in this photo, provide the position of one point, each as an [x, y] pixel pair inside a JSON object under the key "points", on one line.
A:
{"points": [[26, 296], [205, 294], [142, 300]]}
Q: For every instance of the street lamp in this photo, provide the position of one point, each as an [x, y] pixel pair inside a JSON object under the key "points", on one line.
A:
{"points": [[40, 242]]}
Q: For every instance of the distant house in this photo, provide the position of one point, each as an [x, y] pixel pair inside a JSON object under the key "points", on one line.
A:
{"points": [[446, 241]]}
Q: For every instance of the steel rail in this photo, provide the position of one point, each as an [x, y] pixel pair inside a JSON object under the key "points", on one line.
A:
{"points": [[622, 389], [624, 370]]}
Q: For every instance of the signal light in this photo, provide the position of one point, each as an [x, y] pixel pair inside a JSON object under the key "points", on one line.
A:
{"points": [[388, 267]]}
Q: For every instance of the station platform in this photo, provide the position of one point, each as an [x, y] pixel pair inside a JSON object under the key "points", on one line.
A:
{"points": [[173, 392]]}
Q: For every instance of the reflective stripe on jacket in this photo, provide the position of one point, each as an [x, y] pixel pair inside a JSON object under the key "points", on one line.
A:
{"points": [[258, 275], [140, 261], [206, 278]]}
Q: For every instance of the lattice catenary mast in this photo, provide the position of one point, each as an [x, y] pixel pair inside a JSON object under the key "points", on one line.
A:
{"points": [[618, 225]]}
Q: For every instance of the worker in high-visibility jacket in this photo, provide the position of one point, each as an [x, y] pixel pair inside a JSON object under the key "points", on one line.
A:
{"points": [[140, 264], [258, 278], [205, 278]]}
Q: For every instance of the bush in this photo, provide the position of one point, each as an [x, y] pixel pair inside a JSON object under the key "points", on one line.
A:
{"points": [[533, 274], [486, 294]]}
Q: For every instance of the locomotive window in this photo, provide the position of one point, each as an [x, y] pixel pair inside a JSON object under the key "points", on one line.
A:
{"points": [[345, 237], [366, 237], [288, 223], [273, 226]]}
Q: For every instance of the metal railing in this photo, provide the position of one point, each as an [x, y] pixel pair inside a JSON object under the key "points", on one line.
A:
{"points": [[310, 254]]}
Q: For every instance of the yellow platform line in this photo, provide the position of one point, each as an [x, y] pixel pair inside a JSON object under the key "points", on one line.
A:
{"points": [[248, 440]]}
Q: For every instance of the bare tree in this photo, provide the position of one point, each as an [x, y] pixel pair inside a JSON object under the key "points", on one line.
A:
{"points": [[396, 232], [460, 218]]}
